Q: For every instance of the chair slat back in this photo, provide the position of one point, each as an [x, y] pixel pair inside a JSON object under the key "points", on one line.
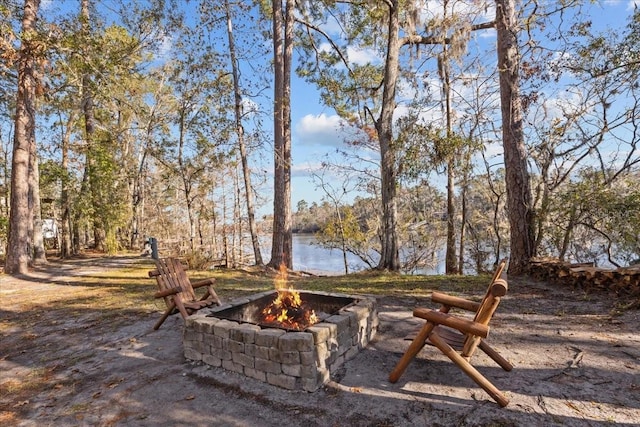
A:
{"points": [[497, 289], [171, 274]]}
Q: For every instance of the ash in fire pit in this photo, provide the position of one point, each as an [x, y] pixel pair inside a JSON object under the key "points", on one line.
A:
{"points": [[240, 337]]}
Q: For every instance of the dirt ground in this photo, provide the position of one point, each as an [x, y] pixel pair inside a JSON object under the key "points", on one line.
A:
{"points": [[576, 357]]}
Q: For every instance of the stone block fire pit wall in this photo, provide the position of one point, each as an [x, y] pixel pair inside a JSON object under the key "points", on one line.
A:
{"points": [[288, 359]]}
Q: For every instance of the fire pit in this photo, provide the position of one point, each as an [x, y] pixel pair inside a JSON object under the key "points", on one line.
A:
{"points": [[245, 336]]}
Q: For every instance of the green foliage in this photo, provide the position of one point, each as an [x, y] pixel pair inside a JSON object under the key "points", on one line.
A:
{"points": [[601, 218], [112, 245], [343, 226], [426, 148], [109, 208], [344, 230]]}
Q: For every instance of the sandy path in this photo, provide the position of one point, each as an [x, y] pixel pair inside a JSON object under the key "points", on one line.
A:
{"points": [[577, 362]]}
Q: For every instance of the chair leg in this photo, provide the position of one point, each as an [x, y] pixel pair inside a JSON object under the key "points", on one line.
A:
{"points": [[415, 347], [469, 370], [211, 293], [180, 306], [497, 357], [164, 317]]}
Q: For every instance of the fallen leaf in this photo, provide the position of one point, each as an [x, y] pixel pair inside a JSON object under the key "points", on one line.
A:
{"points": [[572, 406], [115, 383]]}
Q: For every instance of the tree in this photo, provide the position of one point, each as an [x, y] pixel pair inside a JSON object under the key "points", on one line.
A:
{"points": [[589, 121], [281, 242], [237, 109], [519, 201], [366, 95], [87, 105], [343, 226], [39, 252], [19, 247]]}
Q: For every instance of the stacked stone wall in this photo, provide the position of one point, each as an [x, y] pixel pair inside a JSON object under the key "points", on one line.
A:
{"points": [[291, 360]]}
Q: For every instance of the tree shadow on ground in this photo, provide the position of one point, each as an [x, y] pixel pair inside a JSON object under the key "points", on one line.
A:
{"points": [[65, 360]]}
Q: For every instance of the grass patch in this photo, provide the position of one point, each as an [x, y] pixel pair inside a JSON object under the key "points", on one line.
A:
{"points": [[122, 291], [373, 283]]}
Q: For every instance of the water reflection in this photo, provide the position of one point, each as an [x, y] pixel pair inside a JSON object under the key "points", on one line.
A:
{"points": [[309, 256]]}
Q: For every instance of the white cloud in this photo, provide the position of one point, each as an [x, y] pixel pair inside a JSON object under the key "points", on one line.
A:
{"points": [[320, 130], [325, 47], [305, 169], [362, 56], [354, 55], [249, 106], [493, 150]]}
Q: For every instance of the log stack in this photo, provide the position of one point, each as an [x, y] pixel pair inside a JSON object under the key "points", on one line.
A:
{"points": [[624, 281]]}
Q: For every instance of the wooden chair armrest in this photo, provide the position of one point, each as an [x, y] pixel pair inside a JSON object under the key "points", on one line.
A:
{"points": [[154, 273], [203, 282], [451, 301], [499, 287], [167, 292], [462, 325]]}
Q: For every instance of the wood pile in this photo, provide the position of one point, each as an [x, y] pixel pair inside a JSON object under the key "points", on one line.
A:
{"points": [[624, 281]]}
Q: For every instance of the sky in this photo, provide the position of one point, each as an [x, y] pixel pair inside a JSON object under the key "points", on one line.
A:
{"points": [[316, 129]]}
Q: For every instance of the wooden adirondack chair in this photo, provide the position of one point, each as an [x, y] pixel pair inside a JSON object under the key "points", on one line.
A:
{"points": [[458, 337], [178, 291]]}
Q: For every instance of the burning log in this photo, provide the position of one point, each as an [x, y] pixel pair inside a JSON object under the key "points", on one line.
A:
{"points": [[289, 311]]}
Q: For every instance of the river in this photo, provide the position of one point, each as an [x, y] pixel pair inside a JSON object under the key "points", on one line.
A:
{"points": [[309, 256]]}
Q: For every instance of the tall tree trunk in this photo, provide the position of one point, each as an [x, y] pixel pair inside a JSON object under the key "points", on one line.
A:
{"points": [[139, 186], [39, 252], [450, 256], [566, 239], [138, 197], [443, 71], [19, 245], [463, 212], [281, 247], [246, 171], [277, 238], [186, 179], [236, 229], [6, 181], [389, 256], [99, 234], [286, 127], [519, 201], [65, 222]]}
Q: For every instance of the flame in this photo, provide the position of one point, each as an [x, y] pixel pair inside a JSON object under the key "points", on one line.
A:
{"points": [[287, 309]]}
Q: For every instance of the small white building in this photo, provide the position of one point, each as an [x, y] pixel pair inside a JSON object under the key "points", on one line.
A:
{"points": [[49, 228]]}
